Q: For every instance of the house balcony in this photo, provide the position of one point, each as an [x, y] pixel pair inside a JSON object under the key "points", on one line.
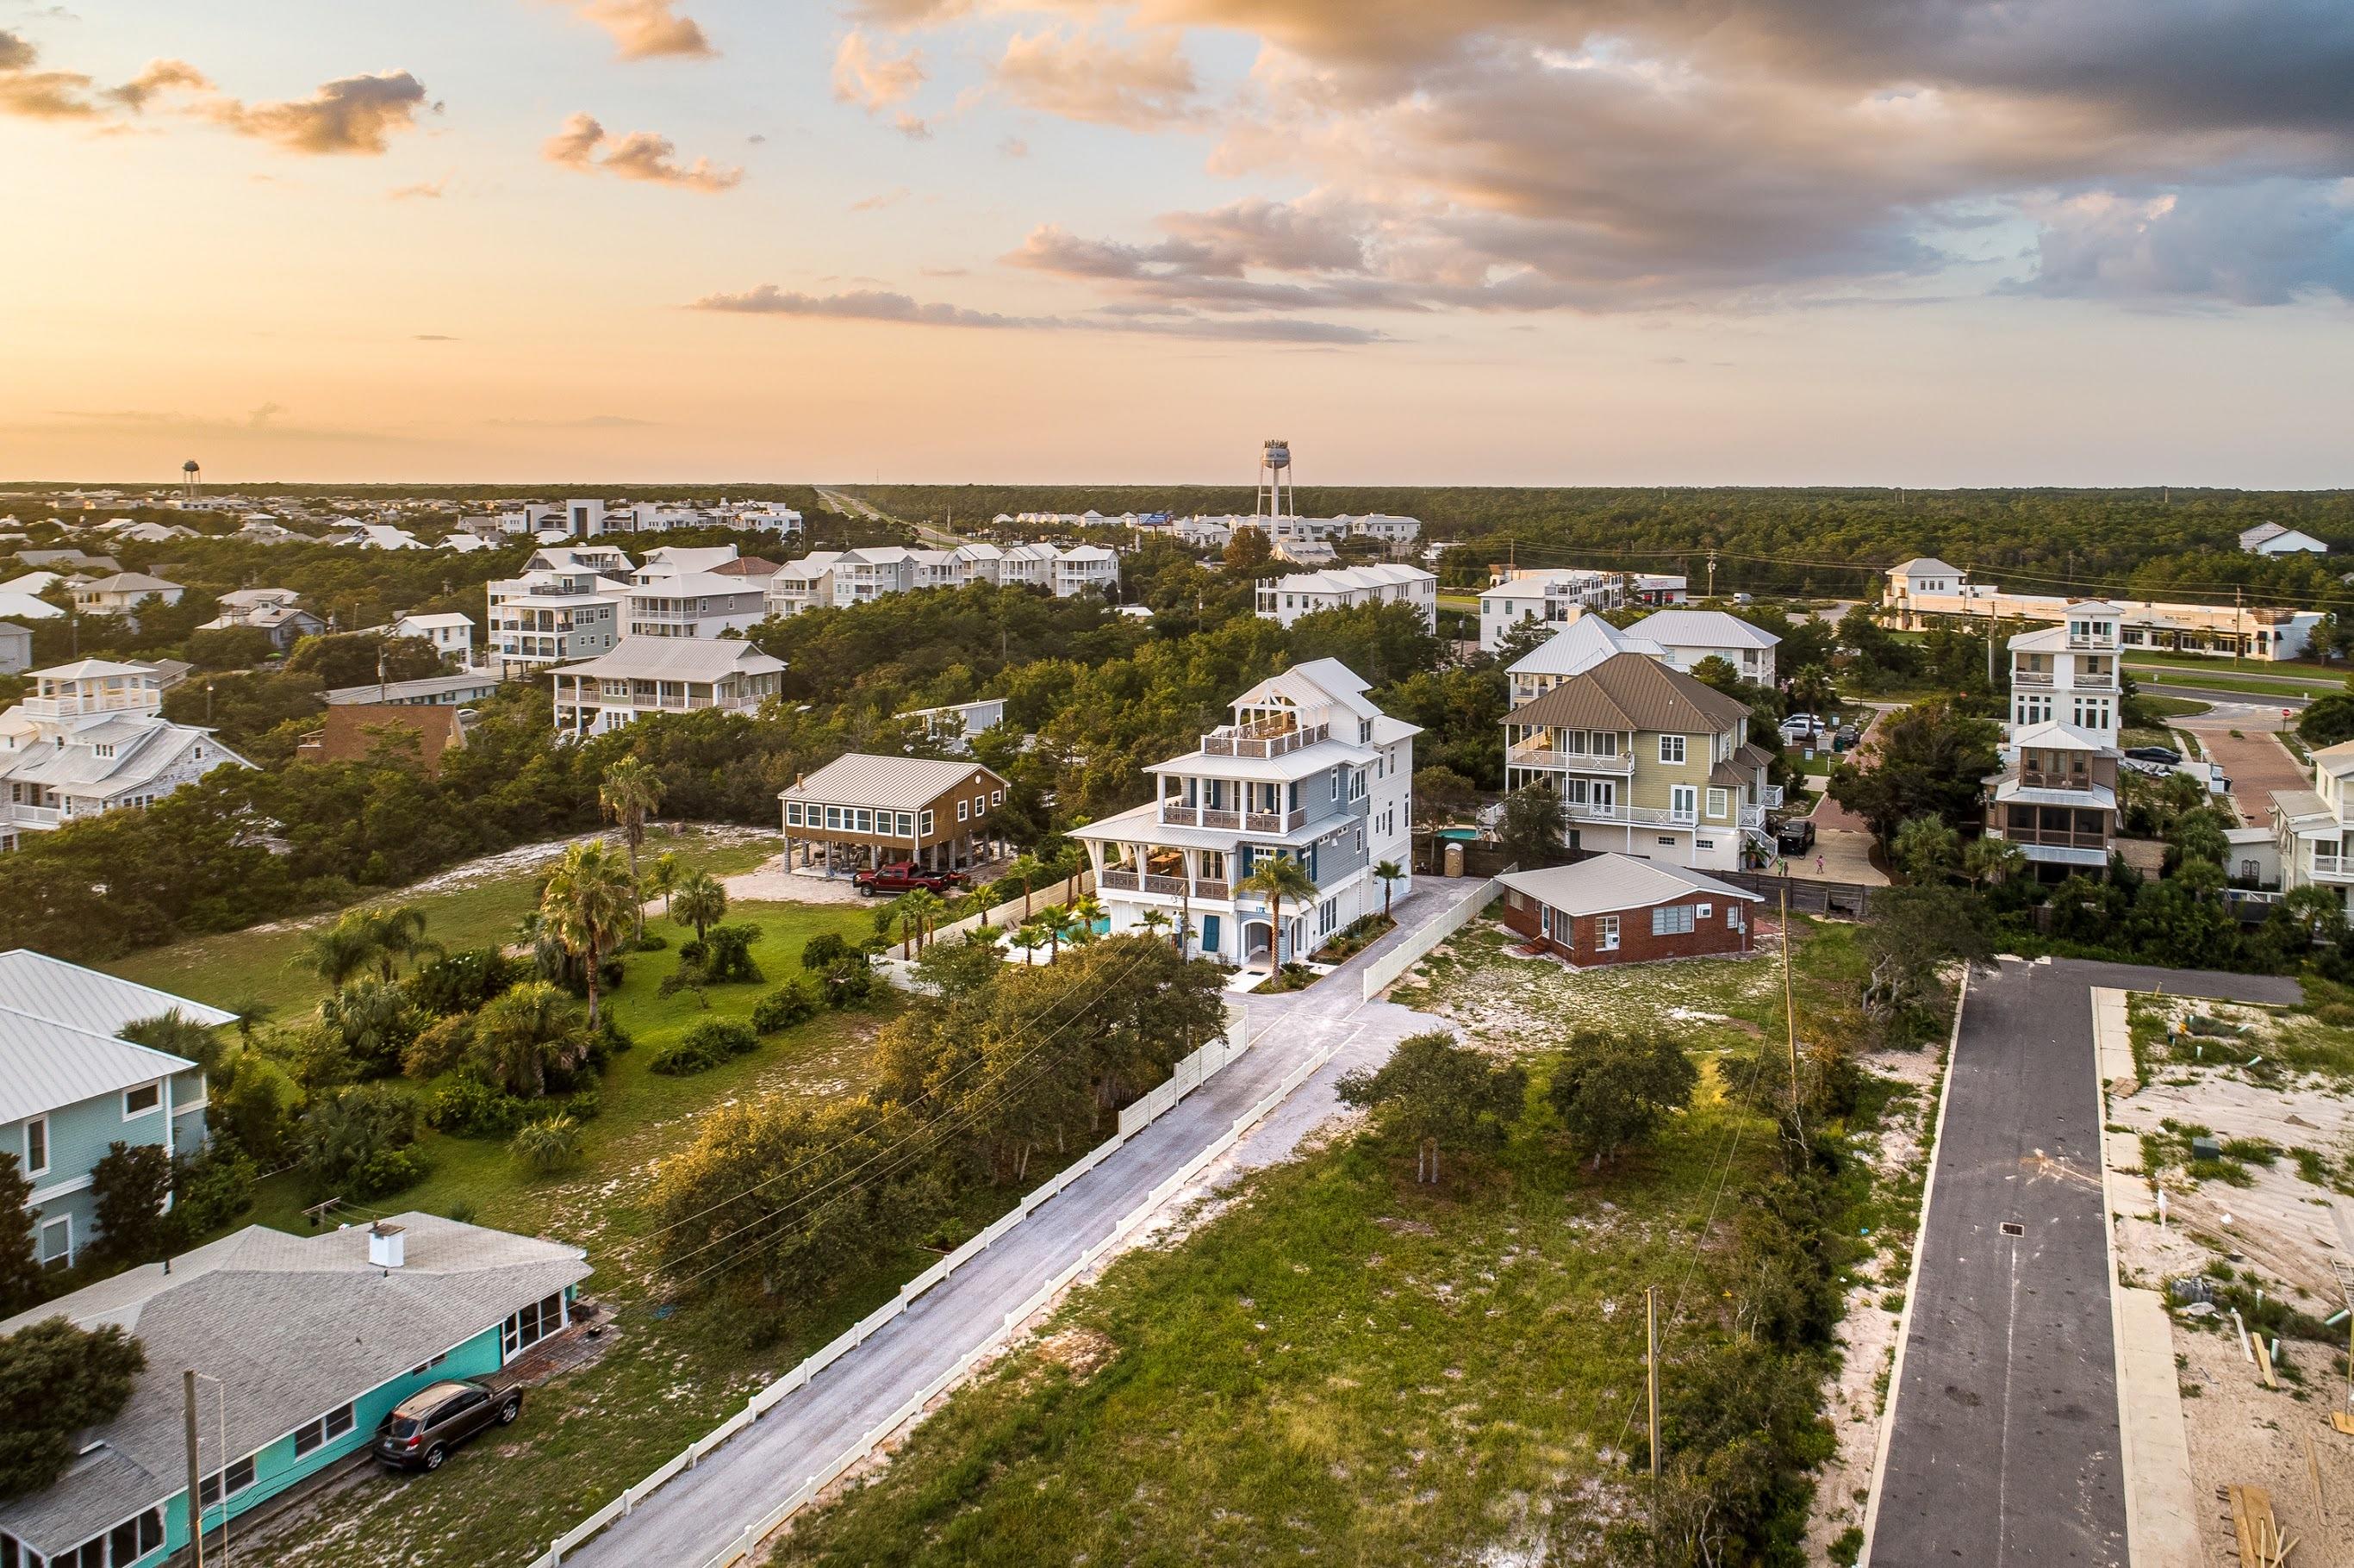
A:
{"points": [[1629, 816], [2031, 677], [19, 816], [2035, 838], [2037, 779], [1570, 761], [77, 704], [1770, 797], [2325, 868], [1753, 816], [1175, 814], [1262, 740], [1213, 890]]}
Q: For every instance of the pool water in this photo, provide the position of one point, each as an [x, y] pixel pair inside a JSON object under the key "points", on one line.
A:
{"points": [[1467, 835]]}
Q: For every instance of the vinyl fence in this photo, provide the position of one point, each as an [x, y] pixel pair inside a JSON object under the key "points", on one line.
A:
{"points": [[1190, 1073], [1384, 970]]}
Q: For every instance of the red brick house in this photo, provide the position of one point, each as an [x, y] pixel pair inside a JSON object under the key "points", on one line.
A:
{"points": [[1621, 909]]}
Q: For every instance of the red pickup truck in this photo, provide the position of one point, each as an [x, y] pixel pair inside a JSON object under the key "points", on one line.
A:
{"points": [[906, 876]]}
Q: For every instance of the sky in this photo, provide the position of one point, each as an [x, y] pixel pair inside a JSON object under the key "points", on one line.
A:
{"points": [[1917, 242]]}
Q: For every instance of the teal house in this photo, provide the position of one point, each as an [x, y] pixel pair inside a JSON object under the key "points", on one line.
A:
{"points": [[301, 1344], [70, 1086]]}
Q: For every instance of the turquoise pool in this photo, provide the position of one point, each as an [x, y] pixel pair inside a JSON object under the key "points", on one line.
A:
{"points": [[1467, 835]]}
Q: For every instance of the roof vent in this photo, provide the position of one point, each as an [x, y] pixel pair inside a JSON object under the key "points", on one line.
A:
{"points": [[387, 1246]]}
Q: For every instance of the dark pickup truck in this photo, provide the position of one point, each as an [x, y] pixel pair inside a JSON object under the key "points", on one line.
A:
{"points": [[906, 876]]}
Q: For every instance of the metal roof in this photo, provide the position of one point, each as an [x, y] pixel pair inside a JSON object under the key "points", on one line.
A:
{"points": [[1702, 629], [1580, 645], [1610, 882], [45, 1064], [899, 783], [480, 683], [676, 659], [292, 1327]]}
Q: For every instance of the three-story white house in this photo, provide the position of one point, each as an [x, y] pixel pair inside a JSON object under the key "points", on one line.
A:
{"points": [[1309, 770], [2056, 797], [92, 738]]}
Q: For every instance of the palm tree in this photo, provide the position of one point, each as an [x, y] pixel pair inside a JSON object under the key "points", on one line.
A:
{"points": [[1029, 939], [1054, 920], [630, 793], [924, 907], [1084, 915], [524, 1031], [588, 899], [1388, 872], [700, 901], [664, 877], [1988, 860], [1154, 921], [398, 932], [1279, 877], [1027, 868], [340, 952]]}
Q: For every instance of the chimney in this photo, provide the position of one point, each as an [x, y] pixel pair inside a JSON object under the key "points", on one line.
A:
{"points": [[388, 1246]]}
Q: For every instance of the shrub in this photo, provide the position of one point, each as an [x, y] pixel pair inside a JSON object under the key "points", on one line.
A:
{"points": [[651, 942], [469, 1107], [463, 981], [128, 1185], [795, 1002], [441, 1046], [585, 1105], [705, 1046], [849, 979], [549, 1144], [356, 1142], [825, 949], [209, 1189]]}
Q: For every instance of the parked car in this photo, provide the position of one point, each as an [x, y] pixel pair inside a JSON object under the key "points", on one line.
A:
{"points": [[1845, 739], [424, 1428], [1794, 835], [2165, 754], [906, 876]]}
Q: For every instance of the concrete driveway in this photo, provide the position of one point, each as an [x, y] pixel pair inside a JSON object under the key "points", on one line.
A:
{"points": [[687, 1521], [2258, 765], [2004, 1439]]}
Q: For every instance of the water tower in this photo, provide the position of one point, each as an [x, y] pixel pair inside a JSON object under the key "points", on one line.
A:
{"points": [[1275, 497], [192, 474]]}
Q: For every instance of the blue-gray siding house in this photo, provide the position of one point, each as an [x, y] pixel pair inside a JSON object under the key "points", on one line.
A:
{"points": [[70, 1086]]}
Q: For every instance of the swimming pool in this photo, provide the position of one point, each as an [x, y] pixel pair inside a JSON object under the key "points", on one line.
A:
{"points": [[1466, 835]]}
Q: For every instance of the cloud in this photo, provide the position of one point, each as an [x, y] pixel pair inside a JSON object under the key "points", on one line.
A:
{"points": [[1014, 147], [424, 190], [647, 29], [884, 305], [872, 79], [351, 114], [433, 337], [640, 155], [16, 53], [2267, 244], [586, 422], [156, 78], [912, 127], [891, 197], [1080, 76]]}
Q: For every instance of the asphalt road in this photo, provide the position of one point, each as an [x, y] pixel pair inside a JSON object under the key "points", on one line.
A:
{"points": [[2005, 1441], [685, 1523]]}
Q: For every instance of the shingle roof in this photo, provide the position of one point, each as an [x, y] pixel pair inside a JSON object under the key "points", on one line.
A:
{"points": [[1702, 629], [1629, 692], [901, 783], [292, 1327], [1610, 882]]}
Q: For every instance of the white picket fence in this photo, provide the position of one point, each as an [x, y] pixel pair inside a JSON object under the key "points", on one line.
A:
{"points": [[1189, 1075], [1385, 971]]}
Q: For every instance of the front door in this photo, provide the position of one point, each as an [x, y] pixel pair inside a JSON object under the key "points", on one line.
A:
{"points": [[1683, 803]]}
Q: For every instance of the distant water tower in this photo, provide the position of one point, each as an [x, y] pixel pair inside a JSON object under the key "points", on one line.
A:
{"points": [[1275, 496], [191, 474]]}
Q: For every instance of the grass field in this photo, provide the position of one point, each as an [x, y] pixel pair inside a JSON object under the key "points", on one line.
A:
{"points": [[260, 964], [2218, 676], [1341, 1365]]}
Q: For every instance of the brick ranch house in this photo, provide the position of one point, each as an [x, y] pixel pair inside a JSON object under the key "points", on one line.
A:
{"points": [[1620, 910]]}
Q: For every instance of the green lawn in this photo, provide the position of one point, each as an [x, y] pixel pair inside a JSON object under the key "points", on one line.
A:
{"points": [[260, 964], [2308, 667], [1341, 1365], [2217, 674]]}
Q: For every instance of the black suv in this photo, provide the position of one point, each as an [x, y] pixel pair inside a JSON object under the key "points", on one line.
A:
{"points": [[424, 1428]]}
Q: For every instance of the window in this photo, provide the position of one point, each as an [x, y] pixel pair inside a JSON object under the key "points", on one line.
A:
{"points": [[1605, 932], [325, 1430], [997, 797], [792, 813], [905, 822], [240, 1476], [1336, 783], [1672, 920], [57, 1241], [1716, 802], [1671, 750], [864, 820], [1733, 917], [142, 1100], [962, 812], [834, 818], [1683, 802], [37, 1147], [533, 1324], [924, 824]]}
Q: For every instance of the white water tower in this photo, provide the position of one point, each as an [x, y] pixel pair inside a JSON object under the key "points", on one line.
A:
{"points": [[1275, 496]]}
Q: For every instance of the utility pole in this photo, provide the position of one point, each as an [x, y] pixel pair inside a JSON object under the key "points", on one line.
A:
{"points": [[2239, 625], [1712, 574], [196, 1495], [1790, 1018], [1651, 1376]]}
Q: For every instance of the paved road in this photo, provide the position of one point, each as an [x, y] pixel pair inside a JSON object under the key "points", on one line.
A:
{"points": [[2005, 1441], [696, 1515]]}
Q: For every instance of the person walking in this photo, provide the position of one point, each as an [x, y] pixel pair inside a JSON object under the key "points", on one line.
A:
{"points": [[1818, 865]]}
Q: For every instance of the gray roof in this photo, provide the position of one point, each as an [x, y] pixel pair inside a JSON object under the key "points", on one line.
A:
{"points": [[1580, 645], [85, 998], [431, 688], [901, 783], [144, 747], [1702, 629], [1610, 882], [46, 1065], [678, 658], [293, 1326], [129, 582]]}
